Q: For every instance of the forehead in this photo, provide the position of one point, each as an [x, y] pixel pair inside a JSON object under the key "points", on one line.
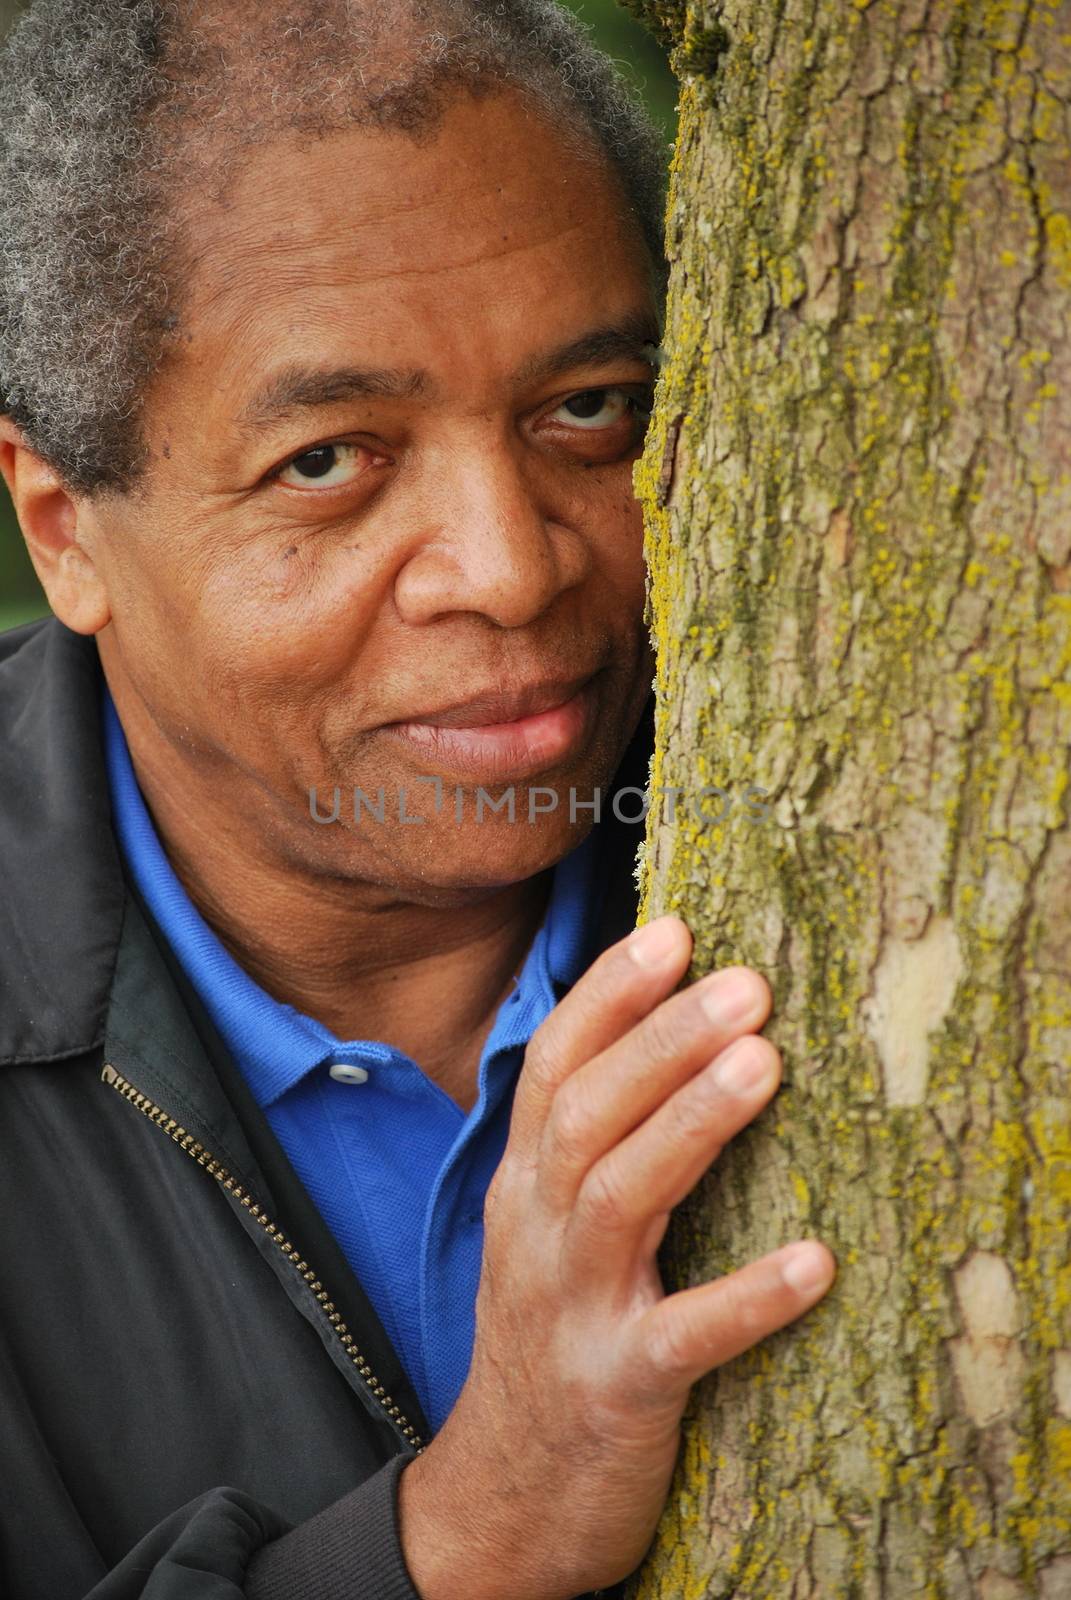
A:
{"points": [[491, 232]]}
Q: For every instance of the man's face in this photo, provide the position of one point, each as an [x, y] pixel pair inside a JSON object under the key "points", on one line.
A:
{"points": [[392, 472]]}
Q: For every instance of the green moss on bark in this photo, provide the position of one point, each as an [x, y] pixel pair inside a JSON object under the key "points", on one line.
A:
{"points": [[861, 600]]}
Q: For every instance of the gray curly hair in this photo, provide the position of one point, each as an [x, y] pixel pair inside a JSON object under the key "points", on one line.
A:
{"points": [[112, 112]]}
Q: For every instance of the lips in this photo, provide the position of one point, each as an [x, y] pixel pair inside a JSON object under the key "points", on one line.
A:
{"points": [[500, 706], [503, 736]]}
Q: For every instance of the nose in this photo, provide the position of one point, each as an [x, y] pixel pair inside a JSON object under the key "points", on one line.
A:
{"points": [[491, 546]]}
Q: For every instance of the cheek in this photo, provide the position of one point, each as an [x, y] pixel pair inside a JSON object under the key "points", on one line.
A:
{"points": [[287, 641], [297, 601], [232, 632], [617, 524]]}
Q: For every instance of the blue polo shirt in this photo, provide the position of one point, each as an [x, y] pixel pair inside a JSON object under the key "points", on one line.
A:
{"points": [[398, 1171]]}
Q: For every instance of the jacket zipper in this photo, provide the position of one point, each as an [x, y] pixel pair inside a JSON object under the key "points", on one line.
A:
{"points": [[204, 1158]]}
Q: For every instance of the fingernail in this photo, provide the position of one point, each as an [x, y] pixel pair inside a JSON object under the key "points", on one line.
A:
{"points": [[653, 944], [742, 1067], [731, 996], [806, 1270]]}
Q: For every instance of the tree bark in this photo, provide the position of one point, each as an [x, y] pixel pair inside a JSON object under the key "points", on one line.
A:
{"points": [[858, 486]]}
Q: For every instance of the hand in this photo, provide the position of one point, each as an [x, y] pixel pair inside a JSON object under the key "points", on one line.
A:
{"points": [[549, 1476]]}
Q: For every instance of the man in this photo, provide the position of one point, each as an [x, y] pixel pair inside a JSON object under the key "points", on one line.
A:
{"points": [[343, 1116]]}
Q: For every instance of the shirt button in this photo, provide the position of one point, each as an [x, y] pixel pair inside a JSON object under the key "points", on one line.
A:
{"points": [[346, 1072]]}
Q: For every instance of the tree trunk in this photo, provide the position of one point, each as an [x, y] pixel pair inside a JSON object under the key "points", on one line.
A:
{"points": [[858, 487]]}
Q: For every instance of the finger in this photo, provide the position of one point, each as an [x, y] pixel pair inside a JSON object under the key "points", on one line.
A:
{"points": [[690, 1333], [662, 1160], [616, 991], [605, 1099]]}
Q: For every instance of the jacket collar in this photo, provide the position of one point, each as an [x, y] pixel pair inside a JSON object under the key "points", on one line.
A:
{"points": [[61, 905], [63, 895]]}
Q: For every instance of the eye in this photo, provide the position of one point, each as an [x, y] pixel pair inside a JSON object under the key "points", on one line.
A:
{"points": [[327, 466], [601, 408]]}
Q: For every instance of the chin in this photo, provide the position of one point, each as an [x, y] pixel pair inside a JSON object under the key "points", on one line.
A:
{"points": [[468, 846], [448, 865]]}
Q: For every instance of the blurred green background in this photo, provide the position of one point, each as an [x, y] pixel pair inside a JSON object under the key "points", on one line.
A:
{"points": [[640, 59]]}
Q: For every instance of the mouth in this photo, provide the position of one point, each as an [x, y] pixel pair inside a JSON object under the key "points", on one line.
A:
{"points": [[505, 734]]}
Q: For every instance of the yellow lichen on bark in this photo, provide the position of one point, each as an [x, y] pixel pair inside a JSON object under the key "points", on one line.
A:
{"points": [[858, 488]]}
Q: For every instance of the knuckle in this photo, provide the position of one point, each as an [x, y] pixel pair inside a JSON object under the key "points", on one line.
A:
{"points": [[603, 1202], [670, 1346], [508, 1195], [571, 1125], [665, 1033], [542, 1057], [690, 1115], [493, 1195]]}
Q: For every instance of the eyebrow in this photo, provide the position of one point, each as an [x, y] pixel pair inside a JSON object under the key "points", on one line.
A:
{"points": [[631, 340], [296, 389]]}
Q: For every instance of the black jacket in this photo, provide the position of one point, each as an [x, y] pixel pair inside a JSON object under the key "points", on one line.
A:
{"points": [[197, 1399]]}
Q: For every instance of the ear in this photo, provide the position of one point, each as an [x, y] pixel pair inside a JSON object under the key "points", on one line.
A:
{"points": [[50, 520]]}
